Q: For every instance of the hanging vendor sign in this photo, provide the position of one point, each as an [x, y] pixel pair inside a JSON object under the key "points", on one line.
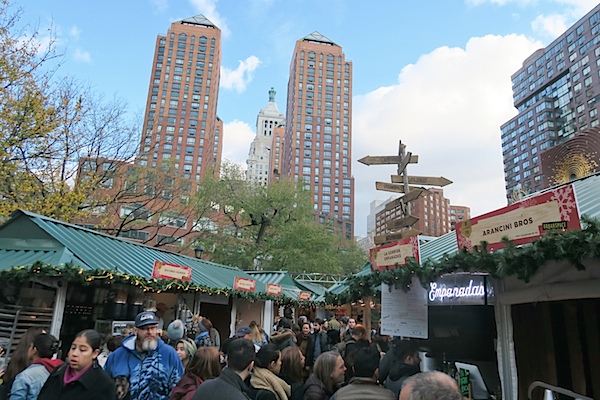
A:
{"points": [[274, 289], [246, 284], [395, 253], [164, 270], [521, 222], [460, 289], [304, 296]]}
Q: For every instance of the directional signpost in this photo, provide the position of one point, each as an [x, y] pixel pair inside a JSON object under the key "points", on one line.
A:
{"points": [[400, 183]]}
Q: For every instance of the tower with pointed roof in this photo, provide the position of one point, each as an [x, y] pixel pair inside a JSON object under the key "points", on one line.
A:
{"points": [[181, 126], [318, 129], [264, 144]]}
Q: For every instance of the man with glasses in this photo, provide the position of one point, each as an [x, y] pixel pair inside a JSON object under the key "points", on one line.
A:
{"points": [[144, 367]]}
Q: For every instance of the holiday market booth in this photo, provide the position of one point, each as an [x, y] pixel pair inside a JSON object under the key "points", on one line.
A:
{"points": [[296, 299], [540, 259], [66, 278]]}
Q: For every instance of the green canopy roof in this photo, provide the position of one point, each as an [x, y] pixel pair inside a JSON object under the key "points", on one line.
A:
{"points": [[289, 287], [27, 237]]}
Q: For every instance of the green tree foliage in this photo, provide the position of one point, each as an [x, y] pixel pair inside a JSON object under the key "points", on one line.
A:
{"points": [[269, 227], [47, 124]]}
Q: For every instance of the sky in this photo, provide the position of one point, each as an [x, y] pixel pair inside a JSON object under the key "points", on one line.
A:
{"points": [[434, 74]]}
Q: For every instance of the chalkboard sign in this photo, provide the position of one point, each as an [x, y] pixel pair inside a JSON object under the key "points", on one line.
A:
{"points": [[463, 381]]}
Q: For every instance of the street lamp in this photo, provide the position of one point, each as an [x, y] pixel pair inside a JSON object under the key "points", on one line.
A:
{"points": [[198, 252]]}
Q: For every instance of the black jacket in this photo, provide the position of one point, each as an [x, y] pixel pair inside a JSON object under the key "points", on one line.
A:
{"points": [[94, 384], [310, 350], [229, 385], [398, 374]]}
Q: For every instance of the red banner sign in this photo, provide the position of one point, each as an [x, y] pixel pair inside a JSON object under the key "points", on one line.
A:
{"points": [[304, 296], [165, 270], [521, 222], [274, 289], [395, 253], [246, 284]]}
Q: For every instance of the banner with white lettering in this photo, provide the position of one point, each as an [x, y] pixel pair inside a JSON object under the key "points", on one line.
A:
{"points": [[404, 313], [521, 222], [460, 289]]}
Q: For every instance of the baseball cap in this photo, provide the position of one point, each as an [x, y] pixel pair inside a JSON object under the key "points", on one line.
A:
{"points": [[145, 318], [243, 331]]}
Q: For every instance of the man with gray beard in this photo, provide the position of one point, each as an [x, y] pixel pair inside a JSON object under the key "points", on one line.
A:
{"points": [[144, 367]]}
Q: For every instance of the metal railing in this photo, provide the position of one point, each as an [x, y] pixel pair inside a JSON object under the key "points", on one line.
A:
{"points": [[550, 390]]}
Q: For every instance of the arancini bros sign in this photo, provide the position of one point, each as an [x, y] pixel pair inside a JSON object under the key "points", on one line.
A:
{"points": [[164, 270], [521, 222], [395, 253]]}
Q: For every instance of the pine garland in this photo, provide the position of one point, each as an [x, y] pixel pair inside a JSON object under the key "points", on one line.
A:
{"points": [[77, 275], [519, 261]]}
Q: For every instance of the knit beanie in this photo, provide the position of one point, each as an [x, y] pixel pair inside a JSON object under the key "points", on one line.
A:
{"points": [[176, 330], [189, 346], [200, 327]]}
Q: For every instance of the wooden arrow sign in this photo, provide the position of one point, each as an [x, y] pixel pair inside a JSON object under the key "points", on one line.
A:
{"points": [[390, 187], [392, 237], [394, 204], [423, 180], [381, 160], [414, 194], [402, 222], [398, 188], [407, 198]]}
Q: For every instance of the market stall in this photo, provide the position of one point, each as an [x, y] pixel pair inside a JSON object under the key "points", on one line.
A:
{"points": [[92, 280]]}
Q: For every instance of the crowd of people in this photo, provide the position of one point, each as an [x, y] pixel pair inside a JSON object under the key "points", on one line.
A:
{"points": [[302, 359]]}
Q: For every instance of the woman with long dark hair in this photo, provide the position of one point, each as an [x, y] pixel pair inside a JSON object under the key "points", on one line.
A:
{"points": [[29, 382], [18, 360], [204, 365], [265, 384], [81, 377], [292, 364]]}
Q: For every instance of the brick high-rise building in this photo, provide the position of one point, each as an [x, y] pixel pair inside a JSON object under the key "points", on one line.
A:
{"points": [[556, 92], [436, 216], [457, 214], [181, 142], [318, 129], [180, 123], [259, 163]]}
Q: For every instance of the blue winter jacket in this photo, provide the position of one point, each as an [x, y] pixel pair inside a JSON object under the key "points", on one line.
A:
{"points": [[151, 377]]}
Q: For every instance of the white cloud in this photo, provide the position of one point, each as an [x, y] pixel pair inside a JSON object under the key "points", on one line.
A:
{"points": [[239, 78], [550, 25], [75, 32], [208, 8], [237, 137], [81, 55], [579, 7], [447, 108]]}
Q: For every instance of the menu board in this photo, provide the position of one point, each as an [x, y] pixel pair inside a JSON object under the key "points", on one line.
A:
{"points": [[404, 313]]}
